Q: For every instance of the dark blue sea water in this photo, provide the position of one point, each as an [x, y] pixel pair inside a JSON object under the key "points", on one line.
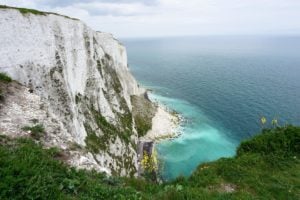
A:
{"points": [[222, 86]]}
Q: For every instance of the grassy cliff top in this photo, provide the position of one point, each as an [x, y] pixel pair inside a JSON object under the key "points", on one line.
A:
{"points": [[266, 167], [25, 11]]}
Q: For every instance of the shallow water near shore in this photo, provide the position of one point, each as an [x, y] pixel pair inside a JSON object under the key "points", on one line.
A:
{"points": [[199, 141], [221, 86]]}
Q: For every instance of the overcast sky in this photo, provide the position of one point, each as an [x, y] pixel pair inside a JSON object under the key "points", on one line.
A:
{"points": [[151, 18]]}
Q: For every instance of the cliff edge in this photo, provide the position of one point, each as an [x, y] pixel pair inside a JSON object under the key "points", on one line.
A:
{"points": [[75, 83]]}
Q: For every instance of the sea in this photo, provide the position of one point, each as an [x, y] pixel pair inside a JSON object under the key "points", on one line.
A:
{"points": [[222, 86]]}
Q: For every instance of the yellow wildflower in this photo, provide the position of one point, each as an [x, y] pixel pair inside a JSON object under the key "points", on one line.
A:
{"points": [[263, 120]]}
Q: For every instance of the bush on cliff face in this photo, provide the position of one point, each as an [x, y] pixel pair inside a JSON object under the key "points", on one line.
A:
{"points": [[36, 131], [266, 167], [4, 78]]}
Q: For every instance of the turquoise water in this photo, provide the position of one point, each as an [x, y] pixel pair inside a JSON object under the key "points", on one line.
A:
{"points": [[221, 86]]}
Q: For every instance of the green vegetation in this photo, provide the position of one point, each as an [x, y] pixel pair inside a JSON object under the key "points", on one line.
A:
{"points": [[143, 111], [78, 98], [142, 125], [149, 163], [4, 78], [93, 142], [104, 65], [96, 143], [123, 129], [28, 171], [266, 167], [25, 11], [36, 131]]}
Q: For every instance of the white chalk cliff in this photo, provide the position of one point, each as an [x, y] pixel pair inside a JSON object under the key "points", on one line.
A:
{"points": [[76, 82]]}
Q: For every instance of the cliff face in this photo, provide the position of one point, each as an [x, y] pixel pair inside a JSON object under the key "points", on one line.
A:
{"points": [[81, 82]]}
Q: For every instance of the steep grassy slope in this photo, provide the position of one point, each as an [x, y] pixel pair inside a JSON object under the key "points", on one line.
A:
{"points": [[266, 167]]}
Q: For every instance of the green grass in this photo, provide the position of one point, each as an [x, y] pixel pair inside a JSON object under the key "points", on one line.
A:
{"points": [[142, 125], [25, 11], [28, 171], [36, 131], [266, 167], [5, 78]]}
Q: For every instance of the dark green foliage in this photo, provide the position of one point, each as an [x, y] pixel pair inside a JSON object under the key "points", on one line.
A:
{"points": [[142, 125], [109, 132], [126, 126], [123, 129], [4, 78], [266, 167], [102, 123], [28, 171], [273, 141], [37, 131], [93, 142]]}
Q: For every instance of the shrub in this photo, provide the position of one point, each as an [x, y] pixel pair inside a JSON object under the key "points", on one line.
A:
{"points": [[5, 78], [281, 140], [36, 131]]}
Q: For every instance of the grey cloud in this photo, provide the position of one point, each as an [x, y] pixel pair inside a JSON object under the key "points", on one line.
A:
{"points": [[137, 18]]}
